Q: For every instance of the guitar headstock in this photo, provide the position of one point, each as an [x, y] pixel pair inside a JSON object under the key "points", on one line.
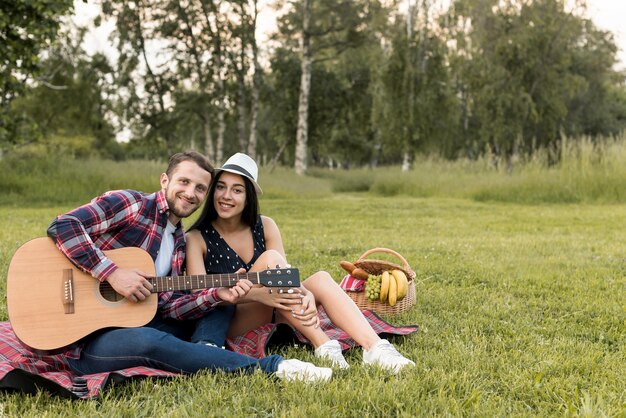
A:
{"points": [[280, 277]]}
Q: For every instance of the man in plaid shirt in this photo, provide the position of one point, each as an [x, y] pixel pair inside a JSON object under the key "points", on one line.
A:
{"points": [[176, 339]]}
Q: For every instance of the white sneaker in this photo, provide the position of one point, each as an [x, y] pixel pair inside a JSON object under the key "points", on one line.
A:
{"points": [[385, 355], [331, 350], [299, 370]]}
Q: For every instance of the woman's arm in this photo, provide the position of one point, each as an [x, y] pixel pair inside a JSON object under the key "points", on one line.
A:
{"points": [[301, 302], [196, 250], [273, 240]]}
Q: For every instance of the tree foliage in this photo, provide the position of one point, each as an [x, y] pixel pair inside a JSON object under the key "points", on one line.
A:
{"points": [[525, 69], [185, 93], [72, 95], [376, 83], [26, 28]]}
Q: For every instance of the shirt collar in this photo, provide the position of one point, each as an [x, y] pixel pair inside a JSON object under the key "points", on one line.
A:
{"points": [[161, 202]]}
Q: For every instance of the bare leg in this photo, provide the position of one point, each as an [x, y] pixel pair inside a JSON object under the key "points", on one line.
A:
{"points": [[251, 315], [316, 336], [341, 309]]}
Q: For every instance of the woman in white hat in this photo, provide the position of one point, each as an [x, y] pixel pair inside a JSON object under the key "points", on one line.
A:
{"points": [[231, 236]]}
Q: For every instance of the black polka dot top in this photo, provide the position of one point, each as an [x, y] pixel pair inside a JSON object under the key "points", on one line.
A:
{"points": [[221, 258]]}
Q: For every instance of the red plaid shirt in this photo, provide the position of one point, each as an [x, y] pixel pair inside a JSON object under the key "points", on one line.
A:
{"points": [[127, 218]]}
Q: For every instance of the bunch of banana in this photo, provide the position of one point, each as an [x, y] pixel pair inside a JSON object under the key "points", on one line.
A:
{"points": [[391, 287], [394, 286]]}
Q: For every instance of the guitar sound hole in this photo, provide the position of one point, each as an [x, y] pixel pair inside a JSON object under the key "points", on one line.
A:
{"points": [[108, 293]]}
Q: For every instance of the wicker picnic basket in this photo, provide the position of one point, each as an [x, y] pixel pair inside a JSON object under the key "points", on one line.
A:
{"points": [[376, 267]]}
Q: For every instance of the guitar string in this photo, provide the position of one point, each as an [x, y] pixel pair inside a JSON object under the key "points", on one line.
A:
{"points": [[164, 283]]}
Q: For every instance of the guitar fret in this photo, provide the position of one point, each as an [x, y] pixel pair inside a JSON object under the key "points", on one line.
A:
{"points": [[173, 283]]}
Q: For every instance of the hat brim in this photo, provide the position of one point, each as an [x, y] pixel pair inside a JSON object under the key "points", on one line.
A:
{"points": [[242, 174]]}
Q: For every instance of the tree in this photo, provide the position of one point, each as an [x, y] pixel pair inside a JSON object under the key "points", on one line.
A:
{"points": [[415, 107], [204, 49], [326, 28], [71, 96], [256, 85], [26, 27], [599, 107], [524, 70]]}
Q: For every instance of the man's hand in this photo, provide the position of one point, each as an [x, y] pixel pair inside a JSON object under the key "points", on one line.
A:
{"points": [[234, 294], [132, 284]]}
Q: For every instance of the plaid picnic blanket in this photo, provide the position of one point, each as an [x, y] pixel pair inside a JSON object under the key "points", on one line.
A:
{"points": [[26, 371]]}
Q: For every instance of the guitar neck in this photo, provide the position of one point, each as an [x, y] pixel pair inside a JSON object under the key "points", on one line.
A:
{"points": [[201, 281]]}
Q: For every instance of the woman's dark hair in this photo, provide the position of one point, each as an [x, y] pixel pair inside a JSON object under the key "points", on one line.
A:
{"points": [[250, 212]]}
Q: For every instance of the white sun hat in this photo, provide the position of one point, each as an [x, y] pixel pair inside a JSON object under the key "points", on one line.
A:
{"points": [[243, 165]]}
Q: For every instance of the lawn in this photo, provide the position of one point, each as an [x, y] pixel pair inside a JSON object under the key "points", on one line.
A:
{"points": [[521, 308]]}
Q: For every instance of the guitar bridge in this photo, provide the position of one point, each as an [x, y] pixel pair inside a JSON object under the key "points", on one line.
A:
{"points": [[68, 291]]}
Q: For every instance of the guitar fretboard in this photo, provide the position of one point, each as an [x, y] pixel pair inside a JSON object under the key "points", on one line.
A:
{"points": [[202, 281]]}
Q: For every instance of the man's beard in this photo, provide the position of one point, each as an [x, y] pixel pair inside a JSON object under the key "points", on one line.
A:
{"points": [[171, 203]]}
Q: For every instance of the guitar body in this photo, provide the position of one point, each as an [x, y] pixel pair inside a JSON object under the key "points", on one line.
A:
{"points": [[52, 304]]}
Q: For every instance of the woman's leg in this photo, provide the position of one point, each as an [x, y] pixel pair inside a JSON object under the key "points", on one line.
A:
{"points": [[341, 309], [249, 316]]}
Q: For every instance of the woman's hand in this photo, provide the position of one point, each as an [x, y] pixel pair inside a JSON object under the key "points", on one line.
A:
{"points": [[279, 298], [307, 311], [236, 293]]}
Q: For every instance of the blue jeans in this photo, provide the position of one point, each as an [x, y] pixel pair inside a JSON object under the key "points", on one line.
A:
{"points": [[161, 345], [213, 326]]}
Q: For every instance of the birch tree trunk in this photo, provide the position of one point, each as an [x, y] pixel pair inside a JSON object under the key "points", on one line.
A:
{"points": [[219, 71], [406, 161], [410, 74], [305, 89], [254, 106], [209, 151], [241, 101], [221, 128]]}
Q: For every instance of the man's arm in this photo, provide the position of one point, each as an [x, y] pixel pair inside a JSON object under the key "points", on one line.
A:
{"points": [[74, 234], [191, 305], [73, 231]]}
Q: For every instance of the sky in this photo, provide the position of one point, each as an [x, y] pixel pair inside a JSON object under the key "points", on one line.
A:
{"points": [[610, 15], [606, 14]]}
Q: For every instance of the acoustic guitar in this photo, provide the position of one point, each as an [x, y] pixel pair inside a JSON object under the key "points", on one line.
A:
{"points": [[53, 304]]}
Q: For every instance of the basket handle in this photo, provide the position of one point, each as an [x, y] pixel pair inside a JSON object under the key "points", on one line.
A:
{"points": [[388, 251]]}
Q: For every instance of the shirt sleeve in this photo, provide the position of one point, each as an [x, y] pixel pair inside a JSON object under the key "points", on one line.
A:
{"points": [[73, 231], [190, 305]]}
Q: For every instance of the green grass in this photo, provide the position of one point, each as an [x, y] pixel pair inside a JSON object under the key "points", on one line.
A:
{"points": [[53, 180], [588, 172], [521, 284], [522, 312]]}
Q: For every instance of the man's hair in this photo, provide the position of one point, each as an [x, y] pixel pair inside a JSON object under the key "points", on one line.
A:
{"points": [[194, 156]]}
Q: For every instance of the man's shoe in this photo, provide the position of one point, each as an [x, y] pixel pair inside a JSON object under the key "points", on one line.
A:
{"points": [[385, 355], [299, 370], [331, 350]]}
